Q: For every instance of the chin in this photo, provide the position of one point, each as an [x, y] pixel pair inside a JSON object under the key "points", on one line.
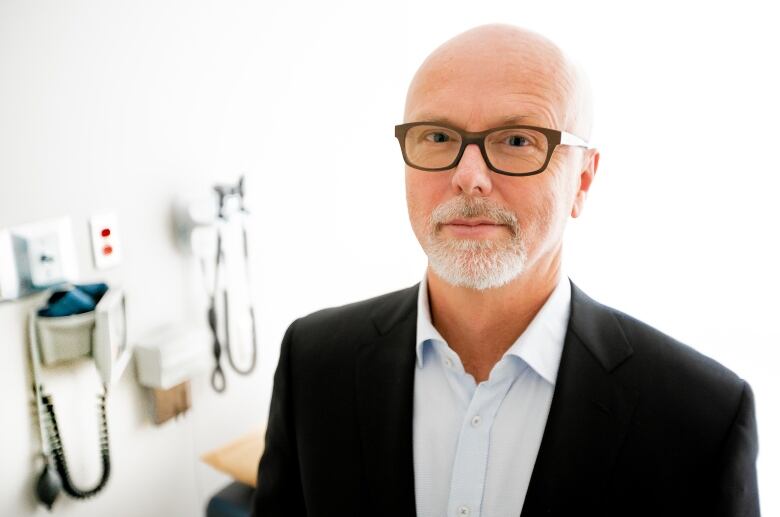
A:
{"points": [[475, 264]]}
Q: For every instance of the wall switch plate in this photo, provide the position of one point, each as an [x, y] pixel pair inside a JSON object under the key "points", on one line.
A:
{"points": [[104, 233], [36, 256], [44, 259]]}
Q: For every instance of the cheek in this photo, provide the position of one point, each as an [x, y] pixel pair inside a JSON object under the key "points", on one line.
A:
{"points": [[551, 209], [537, 204], [526, 196], [535, 215], [424, 191], [419, 196]]}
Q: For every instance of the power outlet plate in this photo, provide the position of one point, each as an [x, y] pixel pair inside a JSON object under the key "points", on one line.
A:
{"points": [[104, 233]]}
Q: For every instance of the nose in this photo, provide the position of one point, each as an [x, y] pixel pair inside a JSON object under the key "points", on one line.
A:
{"points": [[472, 176]]}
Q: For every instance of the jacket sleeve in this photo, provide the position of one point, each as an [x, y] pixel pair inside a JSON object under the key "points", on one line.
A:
{"points": [[737, 488], [279, 491]]}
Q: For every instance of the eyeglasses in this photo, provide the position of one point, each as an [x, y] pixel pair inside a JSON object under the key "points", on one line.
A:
{"points": [[509, 150]]}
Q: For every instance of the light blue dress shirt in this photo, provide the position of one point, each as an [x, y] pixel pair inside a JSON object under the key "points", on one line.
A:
{"points": [[475, 444]]}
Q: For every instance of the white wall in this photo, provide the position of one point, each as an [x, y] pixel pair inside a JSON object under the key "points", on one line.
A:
{"points": [[122, 105]]}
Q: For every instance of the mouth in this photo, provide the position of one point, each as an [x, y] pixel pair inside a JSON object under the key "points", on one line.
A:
{"points": [[472, 227]]}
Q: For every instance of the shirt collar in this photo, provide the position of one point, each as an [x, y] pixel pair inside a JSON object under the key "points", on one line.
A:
{"points": [[425, 329], [540, 345]]}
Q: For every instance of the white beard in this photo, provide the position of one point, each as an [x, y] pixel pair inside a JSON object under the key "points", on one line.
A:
{"points": [[475, 263]]}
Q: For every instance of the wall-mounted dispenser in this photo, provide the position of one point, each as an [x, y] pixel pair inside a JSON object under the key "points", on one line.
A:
{"points": [[170, 356], [165, 362], [76, 322]]}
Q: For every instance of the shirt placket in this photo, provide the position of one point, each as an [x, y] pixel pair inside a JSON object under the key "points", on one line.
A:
{"points": [[469, 468]]}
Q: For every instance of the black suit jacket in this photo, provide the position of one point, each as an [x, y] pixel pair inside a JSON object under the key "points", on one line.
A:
{"points": [[639, 423]]}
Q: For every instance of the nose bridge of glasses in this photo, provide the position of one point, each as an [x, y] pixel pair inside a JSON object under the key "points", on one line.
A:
{"points": [[480, 154], [477, 139]]}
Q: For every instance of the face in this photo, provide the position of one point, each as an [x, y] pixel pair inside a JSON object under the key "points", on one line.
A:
{"points": [[481, 229]]}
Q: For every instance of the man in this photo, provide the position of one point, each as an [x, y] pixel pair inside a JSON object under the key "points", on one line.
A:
{"points": [[496, 387]]}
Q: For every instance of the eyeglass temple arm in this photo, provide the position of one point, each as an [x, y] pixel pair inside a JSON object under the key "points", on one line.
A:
{"points": [[570, 139]]}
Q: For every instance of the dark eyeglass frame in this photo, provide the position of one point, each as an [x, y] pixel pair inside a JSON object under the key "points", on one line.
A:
{"points": [[554, 139]]}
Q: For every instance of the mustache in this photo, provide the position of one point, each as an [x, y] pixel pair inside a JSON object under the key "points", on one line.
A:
{"points": [[466, 207]]}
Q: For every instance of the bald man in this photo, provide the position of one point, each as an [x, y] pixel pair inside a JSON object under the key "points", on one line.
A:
{"points": [[495, 387]]}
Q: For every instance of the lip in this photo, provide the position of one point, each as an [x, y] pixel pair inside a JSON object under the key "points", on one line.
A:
{"points": [[472, 222], [472, 228]]}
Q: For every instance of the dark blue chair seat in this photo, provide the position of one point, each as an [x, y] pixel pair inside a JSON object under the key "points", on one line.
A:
{"points": [[235, 500]]}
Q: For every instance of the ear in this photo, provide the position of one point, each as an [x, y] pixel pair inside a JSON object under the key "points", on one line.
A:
{"points": [[589, 165]]}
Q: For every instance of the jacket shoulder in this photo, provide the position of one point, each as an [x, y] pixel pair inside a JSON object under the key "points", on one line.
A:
{"points": [[673, 361], [356, 321], [691, 394], [621, 339]]}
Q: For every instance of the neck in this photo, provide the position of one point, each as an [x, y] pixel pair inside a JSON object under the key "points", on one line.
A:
{"points": [[480, 326]]}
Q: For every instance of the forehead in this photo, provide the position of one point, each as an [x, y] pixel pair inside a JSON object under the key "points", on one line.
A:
{"points": [[475, 88]]}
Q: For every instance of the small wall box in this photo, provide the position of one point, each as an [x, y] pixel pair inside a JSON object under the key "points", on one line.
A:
{"points": [[171, 356]]}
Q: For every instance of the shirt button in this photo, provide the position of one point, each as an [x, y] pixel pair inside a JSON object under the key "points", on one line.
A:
{"points": [[464, 511], [476, 420], [448, 362]]}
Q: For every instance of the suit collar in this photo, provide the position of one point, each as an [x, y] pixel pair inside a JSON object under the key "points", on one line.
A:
{"points": [[394, 308], [598, 330]]}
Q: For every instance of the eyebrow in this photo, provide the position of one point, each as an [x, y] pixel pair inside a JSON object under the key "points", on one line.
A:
{"points": [[514, 119], [508, 120]]}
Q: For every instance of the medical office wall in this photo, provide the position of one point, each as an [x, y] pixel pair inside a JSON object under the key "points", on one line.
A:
{"points": [[124, 107]]}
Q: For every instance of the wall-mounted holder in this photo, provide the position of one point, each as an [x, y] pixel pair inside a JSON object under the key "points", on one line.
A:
{"points": [[194, 222], [77, 322], [100, 334]]}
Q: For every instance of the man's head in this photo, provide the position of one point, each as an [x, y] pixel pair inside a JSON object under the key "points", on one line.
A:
{"points": [[491, 76]]}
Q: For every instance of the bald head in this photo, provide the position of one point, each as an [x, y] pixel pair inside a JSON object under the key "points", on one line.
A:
{"points": [[518, 64]]}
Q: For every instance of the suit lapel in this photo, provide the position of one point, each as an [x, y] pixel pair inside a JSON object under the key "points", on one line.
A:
{"points": [[385, 398], [588, 417]]}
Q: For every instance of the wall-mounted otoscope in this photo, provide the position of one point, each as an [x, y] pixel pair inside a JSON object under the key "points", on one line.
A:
{"points": [[227, 208]]}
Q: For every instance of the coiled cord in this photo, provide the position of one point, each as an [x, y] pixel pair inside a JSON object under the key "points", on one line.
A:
{"points": [[58, 452]]}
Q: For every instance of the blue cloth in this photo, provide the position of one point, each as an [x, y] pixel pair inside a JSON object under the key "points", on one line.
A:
{"points": [[77, 299]]}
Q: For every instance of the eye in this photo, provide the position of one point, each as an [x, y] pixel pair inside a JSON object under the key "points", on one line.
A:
{"points": [[517, 141], [437, 137]]}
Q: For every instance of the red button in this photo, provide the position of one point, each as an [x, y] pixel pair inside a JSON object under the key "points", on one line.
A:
{"points": [[107, 250], [106, 232]]}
